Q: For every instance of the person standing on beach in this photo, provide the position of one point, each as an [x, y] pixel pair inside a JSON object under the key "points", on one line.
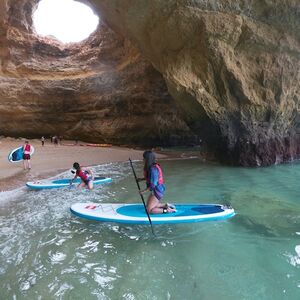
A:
{"points": [[55, 140], [26, 155], [43, 141], [155, 184], [86, 176]]}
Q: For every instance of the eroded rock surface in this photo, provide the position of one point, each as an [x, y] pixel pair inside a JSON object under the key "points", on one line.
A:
{"points": [[232, 68], [101, 90]]}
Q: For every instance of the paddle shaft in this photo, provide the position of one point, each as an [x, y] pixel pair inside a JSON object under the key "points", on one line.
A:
{"points": [[142, 197], [71, 183]]}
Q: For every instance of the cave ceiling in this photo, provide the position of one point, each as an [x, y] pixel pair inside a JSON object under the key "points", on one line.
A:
{"points": [[160, 73]]}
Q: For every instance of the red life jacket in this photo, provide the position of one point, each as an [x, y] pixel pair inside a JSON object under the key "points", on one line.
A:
{"points": [[160, 174], [27, 149], [82, 174]]}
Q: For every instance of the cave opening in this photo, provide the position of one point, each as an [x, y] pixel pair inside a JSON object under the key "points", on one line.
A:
{"points": [[68, 21]]}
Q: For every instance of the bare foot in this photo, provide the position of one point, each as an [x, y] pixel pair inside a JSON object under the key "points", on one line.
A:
{"points": [[170, 208]]}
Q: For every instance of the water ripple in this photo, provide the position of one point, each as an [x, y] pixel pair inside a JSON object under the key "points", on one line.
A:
{"points": [[47, 253]]}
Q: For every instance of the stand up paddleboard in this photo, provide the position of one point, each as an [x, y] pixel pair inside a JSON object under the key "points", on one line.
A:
{"points": [[135, 213], [16, 155], [59, 183]]}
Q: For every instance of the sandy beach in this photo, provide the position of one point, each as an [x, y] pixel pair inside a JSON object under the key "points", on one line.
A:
{"points": [[50, 160]]}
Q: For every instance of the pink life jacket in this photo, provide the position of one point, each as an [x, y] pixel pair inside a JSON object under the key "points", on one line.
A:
{"points": [[27, 149], [160, 174], [82, 174]]}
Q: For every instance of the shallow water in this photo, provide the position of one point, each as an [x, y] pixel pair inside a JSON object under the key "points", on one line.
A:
{"points": [[47, 253]]}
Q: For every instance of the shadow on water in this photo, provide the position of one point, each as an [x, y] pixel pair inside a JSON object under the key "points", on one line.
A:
{"points": [[178, 232], [264, 215]]}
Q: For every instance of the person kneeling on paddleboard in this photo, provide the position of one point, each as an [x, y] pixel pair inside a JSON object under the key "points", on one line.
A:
{"points": [[155, 184], [85, 175]]}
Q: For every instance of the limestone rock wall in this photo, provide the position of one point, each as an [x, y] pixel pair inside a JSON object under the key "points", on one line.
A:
{"points": [[101, 90], [225, 71], [232, 66]]}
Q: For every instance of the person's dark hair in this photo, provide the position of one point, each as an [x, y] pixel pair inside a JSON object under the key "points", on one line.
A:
{"points": [[149, 157], [76, 166]]}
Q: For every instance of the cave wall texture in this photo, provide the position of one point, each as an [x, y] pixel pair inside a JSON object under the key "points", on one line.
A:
{"points": [[101, 90], [226, 71]]}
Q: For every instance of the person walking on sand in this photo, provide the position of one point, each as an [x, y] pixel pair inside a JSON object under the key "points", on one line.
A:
{"points": [[43, 141], [155, 184], [86, 176], [26, 155]]}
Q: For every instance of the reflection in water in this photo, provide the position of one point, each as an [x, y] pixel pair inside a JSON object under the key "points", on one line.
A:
{"points": [[48, 253]]}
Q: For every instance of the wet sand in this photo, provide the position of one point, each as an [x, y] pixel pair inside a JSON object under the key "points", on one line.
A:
{"points": [[50, 160]]}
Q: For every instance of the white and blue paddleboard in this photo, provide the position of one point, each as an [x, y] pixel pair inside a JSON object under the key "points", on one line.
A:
{"points": [[16, 155], [135, 213], [58, 183]]}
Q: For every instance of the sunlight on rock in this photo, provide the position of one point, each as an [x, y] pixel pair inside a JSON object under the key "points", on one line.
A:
{"points": [[66, 20]]}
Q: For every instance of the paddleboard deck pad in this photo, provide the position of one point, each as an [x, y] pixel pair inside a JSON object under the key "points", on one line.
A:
{"points": [[59, 183], [135, 213], [16, 154]]}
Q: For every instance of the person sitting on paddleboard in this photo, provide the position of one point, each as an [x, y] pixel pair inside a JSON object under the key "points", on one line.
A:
{"points": [[85, 175], [155, 184], [26, 155]]}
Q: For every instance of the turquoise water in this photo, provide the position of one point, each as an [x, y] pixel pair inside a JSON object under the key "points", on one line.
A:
{"points": [[47, 253]]}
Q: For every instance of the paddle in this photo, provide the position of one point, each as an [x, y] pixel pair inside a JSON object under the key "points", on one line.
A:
{"points": [[71, 184], [71, 181], [142, 197]]}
